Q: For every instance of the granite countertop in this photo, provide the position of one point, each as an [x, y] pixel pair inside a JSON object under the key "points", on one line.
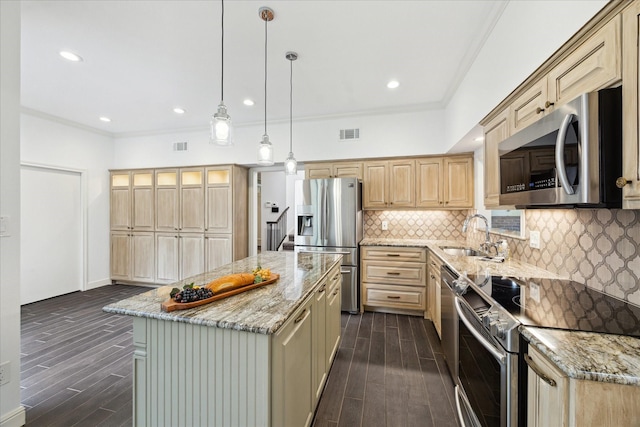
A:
{"points": [[580, 355], [262, 310], [589, 356], [470, 265]]}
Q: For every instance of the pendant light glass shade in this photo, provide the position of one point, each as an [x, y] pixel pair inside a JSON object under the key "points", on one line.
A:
{"points": [[220, 124], [290, 164], [265, 152]]}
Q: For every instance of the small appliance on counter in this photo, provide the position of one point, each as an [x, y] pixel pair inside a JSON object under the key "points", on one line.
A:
{"points": [[328, 218]]}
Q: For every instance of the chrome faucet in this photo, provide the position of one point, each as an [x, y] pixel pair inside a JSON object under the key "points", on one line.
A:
{"points": [[487, 245]]}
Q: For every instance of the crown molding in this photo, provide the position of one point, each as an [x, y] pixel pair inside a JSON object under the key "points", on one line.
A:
{"points": [[66, 122]]}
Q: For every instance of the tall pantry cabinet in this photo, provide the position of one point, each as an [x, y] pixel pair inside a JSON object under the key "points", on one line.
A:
{"points": [[172, 223]]}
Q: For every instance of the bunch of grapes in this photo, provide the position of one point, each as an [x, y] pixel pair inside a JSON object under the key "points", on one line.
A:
{"points": [[191, 294], [261, 274]]}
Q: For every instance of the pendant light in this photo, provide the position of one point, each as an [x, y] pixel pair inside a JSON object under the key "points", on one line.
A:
{"points": [[290, 164], [265, 152], [221, 130]]}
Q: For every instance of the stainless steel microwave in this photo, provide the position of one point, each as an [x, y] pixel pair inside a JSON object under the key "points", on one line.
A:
{"points": [[569, 158]]}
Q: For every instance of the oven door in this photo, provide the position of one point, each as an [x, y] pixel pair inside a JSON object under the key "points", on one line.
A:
{"points": [[487, 375]]}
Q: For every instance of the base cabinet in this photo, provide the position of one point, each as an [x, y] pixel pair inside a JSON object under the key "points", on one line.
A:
{"points": [[434, 289], [132, 256]]}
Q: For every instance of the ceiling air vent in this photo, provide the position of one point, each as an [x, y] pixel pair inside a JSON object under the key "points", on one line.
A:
{"points": [[349, 134], [179, 146]]}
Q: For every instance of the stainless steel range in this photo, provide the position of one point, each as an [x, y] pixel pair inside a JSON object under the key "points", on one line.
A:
{"points": [[491, 387]]}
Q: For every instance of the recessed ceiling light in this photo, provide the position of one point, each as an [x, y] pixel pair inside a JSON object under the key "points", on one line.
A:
{"points": [[179, 110], [105, 119], [73, 57], [248, 102], [393, 84]]}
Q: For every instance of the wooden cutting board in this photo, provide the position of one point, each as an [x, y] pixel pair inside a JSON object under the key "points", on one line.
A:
{"points": [[171, 305]]}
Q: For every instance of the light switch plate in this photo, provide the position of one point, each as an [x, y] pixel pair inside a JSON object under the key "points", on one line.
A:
{"points": [[4, 226], [534, 239]]}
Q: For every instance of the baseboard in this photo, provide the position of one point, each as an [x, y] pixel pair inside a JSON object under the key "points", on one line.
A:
{"points": [[97, 284], [15, 418]]}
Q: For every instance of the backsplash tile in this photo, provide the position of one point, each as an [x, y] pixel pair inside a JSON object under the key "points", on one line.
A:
{"points": [[439, 225]]}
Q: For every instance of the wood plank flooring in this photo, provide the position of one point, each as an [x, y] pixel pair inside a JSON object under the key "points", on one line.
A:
{"points": [[76, 367]]}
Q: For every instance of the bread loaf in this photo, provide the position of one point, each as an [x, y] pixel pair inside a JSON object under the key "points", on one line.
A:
{"points": [[229, 282]]}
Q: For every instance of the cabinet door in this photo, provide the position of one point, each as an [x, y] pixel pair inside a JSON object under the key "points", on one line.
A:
{"points": [[334, 301], [320, 366], [218, 206], [429, 183], [437, 318], [142, 257], [319, 170], [191, 254], [347, 170], [630, 106], [494, 132], [191, 200], [593, 65], [402, 193], [120, 256], [167, 258], [218, 250], [143, 206], [120, 213], [458, 182], [375, 185], [530, 106], [167, 201], [293, 395], [546, 401]]}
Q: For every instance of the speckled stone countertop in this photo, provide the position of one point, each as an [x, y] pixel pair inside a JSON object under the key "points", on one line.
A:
{"points": [[262, 310], [468, 264], [589, 356]]}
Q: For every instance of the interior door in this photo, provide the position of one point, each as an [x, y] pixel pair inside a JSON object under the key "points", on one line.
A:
{"points": [[51, 230]]}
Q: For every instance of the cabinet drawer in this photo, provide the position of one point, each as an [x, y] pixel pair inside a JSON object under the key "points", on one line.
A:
{"points": [[394, 296], [400, 273], [389, 253]]}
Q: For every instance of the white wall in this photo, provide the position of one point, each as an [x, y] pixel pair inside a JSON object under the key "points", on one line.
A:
{"points": [[527, 33], [399, 134], [47, 142], [11, 412], [273, 189]]}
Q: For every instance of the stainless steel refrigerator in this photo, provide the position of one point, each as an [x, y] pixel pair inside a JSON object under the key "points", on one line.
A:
{"points": [[329, 219]]}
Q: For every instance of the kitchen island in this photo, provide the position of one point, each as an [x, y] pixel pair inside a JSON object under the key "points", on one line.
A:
{"points": [[258, 358]]}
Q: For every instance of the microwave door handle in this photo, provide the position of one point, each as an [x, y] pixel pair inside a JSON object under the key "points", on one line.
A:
{"points": [[560, 166], [483, 341]]}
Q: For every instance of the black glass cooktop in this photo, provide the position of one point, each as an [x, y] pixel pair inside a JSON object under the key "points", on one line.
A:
{"points": [[562, 304]]}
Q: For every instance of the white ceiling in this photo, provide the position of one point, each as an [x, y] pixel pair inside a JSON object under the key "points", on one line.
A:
{"points": [[143, 58]]}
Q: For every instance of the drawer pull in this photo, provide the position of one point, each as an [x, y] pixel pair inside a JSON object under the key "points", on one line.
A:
{"points": [[393, 297], [324, 288], [544, 377], [393, 254], [299, 319], [336, 292], [393, 273]]}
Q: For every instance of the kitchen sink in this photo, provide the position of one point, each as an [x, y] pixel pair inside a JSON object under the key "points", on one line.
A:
{"points": [[459, 251]]}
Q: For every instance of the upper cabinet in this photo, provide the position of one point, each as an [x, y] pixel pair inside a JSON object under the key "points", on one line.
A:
{"points": [[132, 200], [389, 184], [593, 65], [631, 110], [495, 131], [334, 170], [180, 200]]}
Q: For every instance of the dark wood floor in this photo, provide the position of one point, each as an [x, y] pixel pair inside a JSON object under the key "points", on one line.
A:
{"points": [[76, 364]]}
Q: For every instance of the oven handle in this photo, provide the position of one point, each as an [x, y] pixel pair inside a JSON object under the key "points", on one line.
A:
{"points": [[460, 418], [544, 377], [500, 357], [560, 166]]}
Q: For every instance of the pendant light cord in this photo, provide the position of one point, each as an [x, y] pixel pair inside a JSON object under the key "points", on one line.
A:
{"points": [[265, 75], [222, 58], [291, 108]]}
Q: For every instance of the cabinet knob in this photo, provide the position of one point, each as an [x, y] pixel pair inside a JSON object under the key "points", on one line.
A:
{"points": [[622, 181], [539, 110], [548, 104]]}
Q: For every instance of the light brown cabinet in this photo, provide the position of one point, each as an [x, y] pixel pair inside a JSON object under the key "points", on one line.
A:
{"points": [[200, 216], [394, 279], [554, 399], [334, 170], [389, 184], [433, 289], [495, 131], [631, 106], [593, 65], [132, 256]]}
